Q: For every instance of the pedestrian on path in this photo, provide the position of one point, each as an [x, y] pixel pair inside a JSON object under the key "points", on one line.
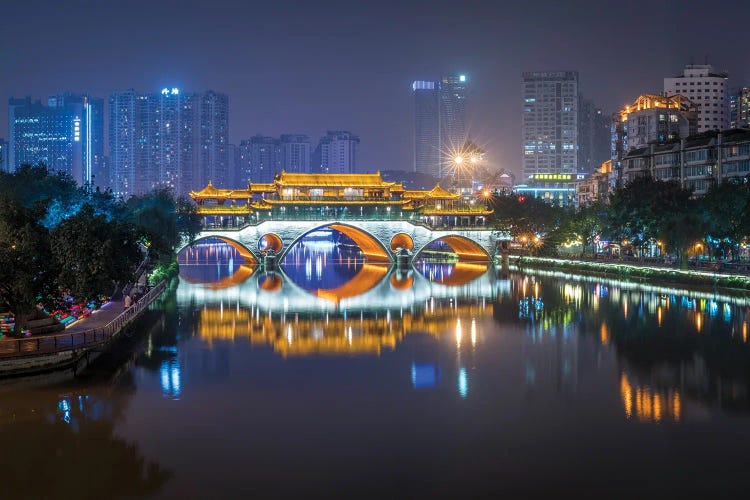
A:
{"points": [[127, 301]]}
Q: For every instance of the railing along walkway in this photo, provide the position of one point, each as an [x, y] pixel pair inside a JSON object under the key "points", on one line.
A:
{"points": [[84, 338]]}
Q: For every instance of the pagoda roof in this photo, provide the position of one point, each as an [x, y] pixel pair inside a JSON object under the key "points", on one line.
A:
{"points": [[437, 192], [211, 191], [343, 180]]}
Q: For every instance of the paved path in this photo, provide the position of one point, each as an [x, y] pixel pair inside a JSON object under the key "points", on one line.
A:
{"points": [[100, 318]]}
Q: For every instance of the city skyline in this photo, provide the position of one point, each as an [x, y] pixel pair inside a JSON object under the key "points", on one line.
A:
{"points": [[370, 94]]}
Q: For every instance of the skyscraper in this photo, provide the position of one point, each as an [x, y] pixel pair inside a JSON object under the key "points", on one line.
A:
{"points": [[550, 122], [452, 113], [707, 89], [295, 153], [336, 153], [260, 159], [213, 153], [169, 139], [4, 155], [427, 158], [66, 134], [593, 136]]}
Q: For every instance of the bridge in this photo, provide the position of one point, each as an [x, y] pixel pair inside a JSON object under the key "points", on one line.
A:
{"points": [[385, 220]]}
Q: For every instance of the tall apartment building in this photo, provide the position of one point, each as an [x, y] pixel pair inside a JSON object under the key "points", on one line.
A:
{"points": [[65, 134], [550, 122], [739, 108], [295, 153], [650, 119], [427, 154], [213, 149], [593, 137], [336, 153], [707, 89], [439, 122], [169, 139], [260, 159], [4, 155]]}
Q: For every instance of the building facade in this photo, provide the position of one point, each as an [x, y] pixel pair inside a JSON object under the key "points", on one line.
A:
{"points": [[170, 138], [739, 108], [593, 136], [4, 155], [65, 134], [453, 132], [696, 162], [550, 123], [707, 89], [295, 153], [260, 159], [427, 155], [336, 153], [650, 119]]}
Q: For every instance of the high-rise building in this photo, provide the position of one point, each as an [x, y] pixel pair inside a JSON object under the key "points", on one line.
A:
{"points": [[739, 108], [169, 139], [427, 156], [4, 155], [707, 89], [295, 153], [550, 123], [213, 153], [260, 159], [593, 137], [650, 119], [452, 114], [65, 134], [123, 142], [234, 164], [336, 153]]}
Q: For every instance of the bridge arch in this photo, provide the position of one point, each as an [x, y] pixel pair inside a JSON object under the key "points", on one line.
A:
{"points": [[270, 241], [465, 248], [373, 249], [244, 252]]}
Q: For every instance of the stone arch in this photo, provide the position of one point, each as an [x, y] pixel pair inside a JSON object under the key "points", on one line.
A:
{"points": [[270, 241], [402, 240], [372, 248], [466, 249], [244, 252]]}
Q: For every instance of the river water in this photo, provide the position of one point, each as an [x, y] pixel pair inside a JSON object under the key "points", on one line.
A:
{"points": [[338, 378]]}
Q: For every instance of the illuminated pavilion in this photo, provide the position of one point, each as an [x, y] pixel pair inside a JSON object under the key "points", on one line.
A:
{"points": [[296, 196]]}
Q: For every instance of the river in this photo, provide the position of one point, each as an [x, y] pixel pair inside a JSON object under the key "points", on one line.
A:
{"points": [[339, 378]]}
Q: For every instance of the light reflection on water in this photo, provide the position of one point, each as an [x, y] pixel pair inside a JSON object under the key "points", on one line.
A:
{"points": [[446, 367]]}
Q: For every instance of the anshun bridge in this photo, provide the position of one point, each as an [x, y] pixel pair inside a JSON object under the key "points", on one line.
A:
{"points": [[383, 218]]}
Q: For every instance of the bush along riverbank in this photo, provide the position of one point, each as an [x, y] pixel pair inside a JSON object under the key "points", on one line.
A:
{"points": [[639, 273], [163, 272]]}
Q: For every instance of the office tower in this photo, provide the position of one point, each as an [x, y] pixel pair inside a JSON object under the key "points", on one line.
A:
{"points": [[65, 134], [739, 108], [4, 155], [452, 114], [336, 153], [593, 136], [427, 157], [295, 153], [550, 122], [707, 89], [260, 159], [213, 155]]}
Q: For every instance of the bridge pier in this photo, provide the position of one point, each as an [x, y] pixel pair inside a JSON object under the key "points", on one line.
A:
{"points": [[269, 261]]}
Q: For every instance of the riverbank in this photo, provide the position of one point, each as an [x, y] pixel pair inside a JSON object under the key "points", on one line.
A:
{"points": [[50, 352], [639, 272]]}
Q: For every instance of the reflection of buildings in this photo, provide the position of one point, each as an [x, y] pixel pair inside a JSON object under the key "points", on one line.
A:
{"points": [[351, 334], [648, 404]]}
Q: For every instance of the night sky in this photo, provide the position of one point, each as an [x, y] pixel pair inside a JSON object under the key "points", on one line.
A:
{"points": [[305, 67]]}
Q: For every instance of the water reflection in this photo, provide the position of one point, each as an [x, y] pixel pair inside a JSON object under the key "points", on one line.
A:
{"points": [[214, 264]]}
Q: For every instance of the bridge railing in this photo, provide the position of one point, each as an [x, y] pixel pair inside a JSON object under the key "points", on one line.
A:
{"points": [[61, 342]]}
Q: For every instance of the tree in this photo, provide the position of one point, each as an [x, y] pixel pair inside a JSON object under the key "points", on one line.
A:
{"points": [[93, 254], [726, 211], [27, 268], [584, 225]]}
